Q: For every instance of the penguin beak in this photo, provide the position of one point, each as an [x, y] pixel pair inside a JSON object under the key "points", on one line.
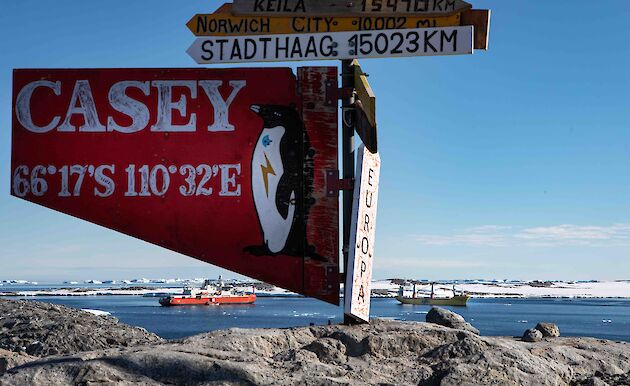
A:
{"points": [[255, 108]]}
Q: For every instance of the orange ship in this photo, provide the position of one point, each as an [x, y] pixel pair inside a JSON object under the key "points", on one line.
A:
{"points": [[209, 294]]}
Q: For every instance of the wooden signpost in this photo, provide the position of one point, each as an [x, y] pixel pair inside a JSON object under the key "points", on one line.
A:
{"points": [[335, 45], [346, 30], [256, 188], [348, 7]]}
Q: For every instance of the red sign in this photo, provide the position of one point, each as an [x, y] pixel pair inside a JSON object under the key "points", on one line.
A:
{"points": [[224, 165]]}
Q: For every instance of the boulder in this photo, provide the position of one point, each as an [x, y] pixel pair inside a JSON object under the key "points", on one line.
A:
{"points": [[41, 329], [10, 359], [549, 330], [532, 335], [328, 350], [450, 319]]}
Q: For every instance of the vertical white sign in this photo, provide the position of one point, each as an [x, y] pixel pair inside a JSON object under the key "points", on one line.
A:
{"points": [[362, 231]]}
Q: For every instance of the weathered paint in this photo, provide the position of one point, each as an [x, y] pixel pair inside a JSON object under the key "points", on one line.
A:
{"points": [[169, 156], [323, 219], [224, 23], [362, 235], [348, 7]]}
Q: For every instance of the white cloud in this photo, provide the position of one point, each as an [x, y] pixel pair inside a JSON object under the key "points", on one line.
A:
{"points": [[462, 239], [484, 235], [568, 232], [420, 263], [489, 228], [544, 236]]}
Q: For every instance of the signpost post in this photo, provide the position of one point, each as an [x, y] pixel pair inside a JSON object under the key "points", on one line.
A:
{"points": [[347, 153]]}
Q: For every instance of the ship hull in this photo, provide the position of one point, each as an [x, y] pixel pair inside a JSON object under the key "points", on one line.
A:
{"points": [[215, 300], [454, 301]]}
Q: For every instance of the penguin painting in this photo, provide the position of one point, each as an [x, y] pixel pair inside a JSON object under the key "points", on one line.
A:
{"points": [[282, 176]]}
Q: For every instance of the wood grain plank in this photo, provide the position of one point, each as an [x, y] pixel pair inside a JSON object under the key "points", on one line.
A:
{"points": [[321, 278], [480, 19]]}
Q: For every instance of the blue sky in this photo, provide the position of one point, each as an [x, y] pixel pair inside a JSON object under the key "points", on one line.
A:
{"points": [[511, 163]]}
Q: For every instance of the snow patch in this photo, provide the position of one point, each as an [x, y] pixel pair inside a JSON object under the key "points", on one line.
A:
{"points": [[96, 312]]}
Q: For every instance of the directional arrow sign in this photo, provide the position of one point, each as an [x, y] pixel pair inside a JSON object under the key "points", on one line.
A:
{"points": [[336, 45], [348, 7], [366, 109], [224, 23]]}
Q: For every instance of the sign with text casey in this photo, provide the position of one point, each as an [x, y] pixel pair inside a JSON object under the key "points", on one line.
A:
{"points": [[335, 45], [226, 166], [362, 235]]}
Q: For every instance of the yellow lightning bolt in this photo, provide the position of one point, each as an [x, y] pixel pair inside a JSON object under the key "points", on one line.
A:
{"points": [[266, 171]]}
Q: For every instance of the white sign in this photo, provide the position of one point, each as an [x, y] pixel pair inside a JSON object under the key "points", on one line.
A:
{"points": [[335, 45], [362, 232]]}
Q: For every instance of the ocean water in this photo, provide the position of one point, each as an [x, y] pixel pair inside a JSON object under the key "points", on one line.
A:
{"points": [[599, 318]]}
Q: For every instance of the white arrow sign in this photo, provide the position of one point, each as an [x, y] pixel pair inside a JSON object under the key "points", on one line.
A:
{"points": [[362, 234], [336, 45]]}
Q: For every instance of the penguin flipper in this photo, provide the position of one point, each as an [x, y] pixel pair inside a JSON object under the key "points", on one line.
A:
{"points": [[285, 195]]}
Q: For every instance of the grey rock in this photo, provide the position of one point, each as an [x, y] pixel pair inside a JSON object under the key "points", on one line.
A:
{"points": [[328, 350], [549, 330], [41, 329], [381, 353], [384, 352], [10, 359], [450, 319], [532, 335], [601, 379]]}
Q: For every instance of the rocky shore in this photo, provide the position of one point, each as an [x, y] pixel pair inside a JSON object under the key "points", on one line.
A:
{"points": [[99, 350], [42, 329]]}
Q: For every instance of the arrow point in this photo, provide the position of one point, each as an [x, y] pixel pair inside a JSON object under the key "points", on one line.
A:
{"points": [[191, 24]]}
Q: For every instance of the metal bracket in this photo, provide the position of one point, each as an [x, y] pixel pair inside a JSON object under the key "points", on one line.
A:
{"points": [[334, 93], [348, 115], [334, 184]]}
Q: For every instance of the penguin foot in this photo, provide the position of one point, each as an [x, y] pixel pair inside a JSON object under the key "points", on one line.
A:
{"points": [[258, 250]]}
